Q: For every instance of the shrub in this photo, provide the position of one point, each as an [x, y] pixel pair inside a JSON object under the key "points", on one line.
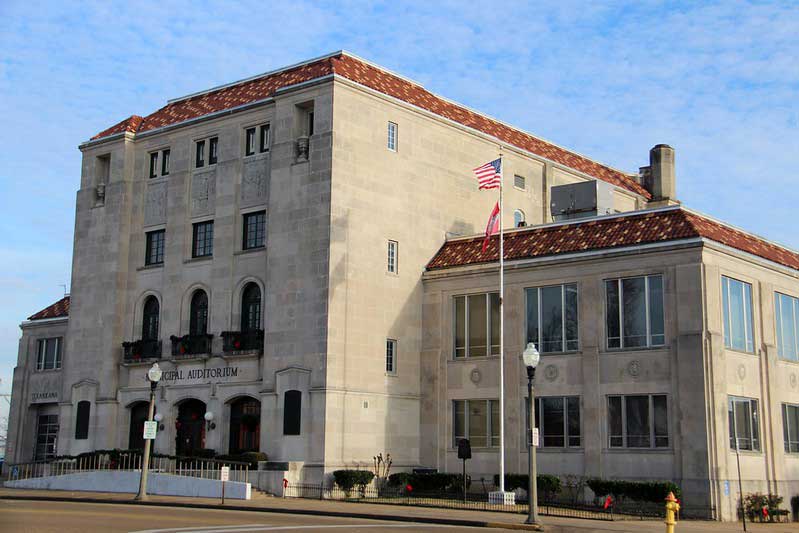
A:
{"points": [[547, 485], [754, 503], [642, 491], [434, 482], [348, 479], [205, 453]]}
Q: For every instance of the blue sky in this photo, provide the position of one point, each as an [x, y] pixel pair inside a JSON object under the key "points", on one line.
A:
{"points": [[718, 81]]}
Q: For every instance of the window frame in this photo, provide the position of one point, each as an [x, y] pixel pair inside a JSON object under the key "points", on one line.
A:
{"points": [[41, 354], [46, 443], [265, 140], [151, 259], [489, 325], [726, 315], [165, 159], [791, 446], [153, 164], [392, 257], [292, 427], [249, 141], [522, 222], [208, 239], [392, 134], [490, 436], [517, 177], [245, 230], [753, 420], [647, 312], [391, 357], [778, 323], [213, 150], [541, 425], [82, 419], [564, 341], [199, 153], [653, 436]]}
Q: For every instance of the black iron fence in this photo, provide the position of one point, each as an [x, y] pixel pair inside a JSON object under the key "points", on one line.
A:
{"points": [[243, 341], [189, 345], [141, 350], [480, 502]]}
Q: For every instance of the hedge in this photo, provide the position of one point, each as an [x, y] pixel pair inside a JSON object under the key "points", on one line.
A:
{"points": [[547, 485], [642, 491], [246, 457], [435, 482], [348, 479]]}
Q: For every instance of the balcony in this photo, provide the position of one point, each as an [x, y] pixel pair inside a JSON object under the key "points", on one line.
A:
{"points": [[191, 345], [141, 350], [243, 341]]}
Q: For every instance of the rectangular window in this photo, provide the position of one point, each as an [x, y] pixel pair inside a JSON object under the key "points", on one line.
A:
{"points": [[48, 354], [476, 420], [82, 420], [213, 143], [254, 230], [310, 123], [736, 299], [249, 142], [391, 356], [560, 426], [635, 312], [743, 422], [165, 163], [552, 318], [392, 257], [46, 437], [203, 239], [638, 421], [153, 164], [476, 325], [265, 131], [518, 182], [790, 427], [392, 137], [786, 318], [154, 252], [199, 158]]}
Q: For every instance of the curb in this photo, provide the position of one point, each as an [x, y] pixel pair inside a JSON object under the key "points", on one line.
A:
{"points": [[307, 512]]}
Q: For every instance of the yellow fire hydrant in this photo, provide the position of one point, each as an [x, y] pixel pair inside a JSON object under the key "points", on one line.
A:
{"points": [[671, 507]]}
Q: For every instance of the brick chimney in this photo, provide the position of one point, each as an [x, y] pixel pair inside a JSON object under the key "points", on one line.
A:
{"points": [[659, 177]]}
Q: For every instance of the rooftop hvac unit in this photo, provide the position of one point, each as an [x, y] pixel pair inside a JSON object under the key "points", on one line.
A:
{"points": [[581, 200]]}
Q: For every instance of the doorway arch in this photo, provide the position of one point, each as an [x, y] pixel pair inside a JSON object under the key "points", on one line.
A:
{"points": [[190, 426], [245, 425]]}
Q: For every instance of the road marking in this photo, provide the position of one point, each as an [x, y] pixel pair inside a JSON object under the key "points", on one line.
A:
{"points": [[256, 528], [199, 529]]}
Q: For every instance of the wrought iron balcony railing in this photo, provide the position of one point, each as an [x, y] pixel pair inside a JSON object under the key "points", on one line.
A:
{"points": [[141, 350], [188, 345], [243, 341]]}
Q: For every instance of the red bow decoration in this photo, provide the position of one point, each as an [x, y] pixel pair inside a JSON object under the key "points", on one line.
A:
{"points": [[408, 488], [608, 502]]}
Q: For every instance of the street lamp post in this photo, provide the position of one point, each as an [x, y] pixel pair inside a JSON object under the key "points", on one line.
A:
{"points": [[531, 358], [154, 376]]}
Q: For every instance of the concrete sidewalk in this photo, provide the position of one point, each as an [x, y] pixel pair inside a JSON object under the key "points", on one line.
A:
{"points": [[397, 513]]}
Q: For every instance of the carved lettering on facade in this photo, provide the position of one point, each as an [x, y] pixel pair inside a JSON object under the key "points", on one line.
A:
{"points": [[203, 191], [254, 182], [155, 204]]}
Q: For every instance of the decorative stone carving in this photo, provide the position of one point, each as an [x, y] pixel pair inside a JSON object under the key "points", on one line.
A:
{"points": [[634, 368], [551, 372], [99, 194], [793, 380], [203, 191], [155, 204], [475, 376], [741, 372], [302, 148], [254, 180]]}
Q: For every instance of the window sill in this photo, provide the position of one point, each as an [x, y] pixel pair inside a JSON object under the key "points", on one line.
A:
{"points": [[621, 451], [241, 354], [47, 370], [742, 352], [554, 449], [257, 156], [789, 361], [250, 251], [198, 259], [189, 357], [150, 267], [556, 354], [663, 348], [473, 359], [482, 449], [209, 166], [157, 179], [752, 453], [391, 374]]}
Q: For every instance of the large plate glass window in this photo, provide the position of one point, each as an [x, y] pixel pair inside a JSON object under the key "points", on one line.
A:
{"points": [[560, 426], [736, 303], [552, 318], [476, 420], [638, 421], [476, 325], [786, 318], [46, 437], [743, 422], [635, 312]]}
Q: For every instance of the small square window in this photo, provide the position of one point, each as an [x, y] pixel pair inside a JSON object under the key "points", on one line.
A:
{"points": [[49, 354], [199, 160], [165, 163], [213, 143], [518, 182], [203, 239], [254, 230], [250, 142], [153, 164], [392, 137], [154, 253], [392, 257], [265, 131], [391, 356]]}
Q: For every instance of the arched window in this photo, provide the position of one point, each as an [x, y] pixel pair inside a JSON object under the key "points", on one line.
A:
{"points": [[198, 321], [82, 420], [518, 219], [292, 412], [149, 327], [251, 308]]}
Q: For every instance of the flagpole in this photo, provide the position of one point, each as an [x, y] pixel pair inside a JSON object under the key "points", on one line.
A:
{"points": [[501, 333]]}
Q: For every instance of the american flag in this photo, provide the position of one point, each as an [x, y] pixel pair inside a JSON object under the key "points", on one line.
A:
{"points": [[488, 175]]}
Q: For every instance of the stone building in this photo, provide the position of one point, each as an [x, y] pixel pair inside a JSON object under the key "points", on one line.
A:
{"points": [[297, 252]]}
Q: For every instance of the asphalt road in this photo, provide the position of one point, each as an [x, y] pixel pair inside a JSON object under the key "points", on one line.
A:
{"points": [[20, 516]]}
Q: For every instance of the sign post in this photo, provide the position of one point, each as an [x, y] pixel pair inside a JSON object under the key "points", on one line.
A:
{"points": [[464, 452], [150, 429], [224, 475]]}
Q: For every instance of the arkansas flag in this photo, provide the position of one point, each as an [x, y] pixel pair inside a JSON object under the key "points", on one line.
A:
{"points": [[492, 227]]}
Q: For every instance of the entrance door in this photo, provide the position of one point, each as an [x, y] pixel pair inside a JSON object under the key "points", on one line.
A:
{"points": [[245, 425], [190, 428], [138, 414]]}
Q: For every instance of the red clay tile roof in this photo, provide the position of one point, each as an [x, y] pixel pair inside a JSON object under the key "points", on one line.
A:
{"points": [[609, 232], [58, 309], [375, 78]]}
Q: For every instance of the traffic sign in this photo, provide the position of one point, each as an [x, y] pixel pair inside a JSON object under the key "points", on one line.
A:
{"points": [[150, 429], [535, 437], [224, 474]]}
